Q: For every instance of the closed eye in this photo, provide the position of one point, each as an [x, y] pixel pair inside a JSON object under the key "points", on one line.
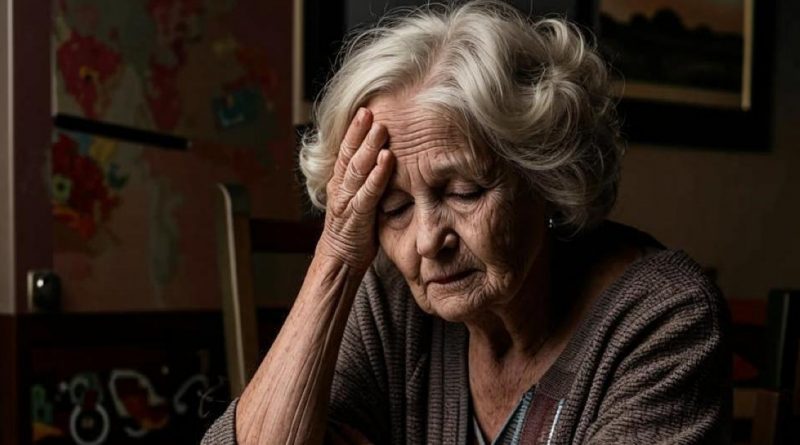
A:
{"points": [[396, 211], [467, 196]]}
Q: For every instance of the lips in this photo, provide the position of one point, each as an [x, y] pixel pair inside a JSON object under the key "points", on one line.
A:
{"points": [[451, 278]]}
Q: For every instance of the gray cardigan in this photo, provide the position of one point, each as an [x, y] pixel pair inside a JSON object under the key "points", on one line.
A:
{"points": [[648, 364]]}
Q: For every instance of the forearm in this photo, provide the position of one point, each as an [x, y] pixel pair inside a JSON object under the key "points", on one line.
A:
{"points": [[286, 401]]}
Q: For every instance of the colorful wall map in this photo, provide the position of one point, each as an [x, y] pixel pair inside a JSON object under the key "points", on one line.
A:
{"points": [[135, 225], [205, 69]]}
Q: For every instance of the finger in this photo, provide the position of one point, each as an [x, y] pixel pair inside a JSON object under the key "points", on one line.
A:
{"points": [[369, 195], [362, 163], [353, 138]]}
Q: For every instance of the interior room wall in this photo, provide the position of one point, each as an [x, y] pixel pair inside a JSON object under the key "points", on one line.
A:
{"points": [[736, 212], [6, 172], [364, 11]]}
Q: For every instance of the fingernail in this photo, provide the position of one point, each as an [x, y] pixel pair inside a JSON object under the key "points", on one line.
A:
{"points": [[373, 131], [362, 114], [383, 156]]}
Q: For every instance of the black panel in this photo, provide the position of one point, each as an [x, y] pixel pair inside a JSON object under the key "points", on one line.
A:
{"points": [[324, 29]]}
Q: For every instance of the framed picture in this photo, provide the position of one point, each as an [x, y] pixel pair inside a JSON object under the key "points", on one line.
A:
{"points": [[690, 73]]}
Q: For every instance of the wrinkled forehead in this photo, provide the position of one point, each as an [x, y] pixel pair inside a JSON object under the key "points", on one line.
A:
{"points": [[427, 135], [414, 128]]}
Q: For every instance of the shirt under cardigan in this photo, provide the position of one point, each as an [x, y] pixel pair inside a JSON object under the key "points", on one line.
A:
{"points": [[649, 363]]}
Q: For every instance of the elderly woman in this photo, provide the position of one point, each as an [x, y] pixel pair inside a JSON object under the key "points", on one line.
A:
{"points": [[466, 288]]}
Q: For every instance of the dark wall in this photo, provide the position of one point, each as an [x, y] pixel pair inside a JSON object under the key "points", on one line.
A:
{"points": [[364, 11], [327, 22], [737, 212]]}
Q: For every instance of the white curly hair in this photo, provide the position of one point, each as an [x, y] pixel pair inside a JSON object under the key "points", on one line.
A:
{"points": [[534, 92]]}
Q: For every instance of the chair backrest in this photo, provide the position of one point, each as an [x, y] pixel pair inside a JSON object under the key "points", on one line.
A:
{"points": [[783, 344], [760, 409], [782, 364], [239, 237]]}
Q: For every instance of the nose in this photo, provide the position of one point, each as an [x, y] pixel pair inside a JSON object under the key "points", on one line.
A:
{"points": [[434, 235]]}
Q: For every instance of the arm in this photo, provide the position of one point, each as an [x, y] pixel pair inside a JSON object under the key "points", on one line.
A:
{"points": [[286, 402], [358, 408], [674, 385]]}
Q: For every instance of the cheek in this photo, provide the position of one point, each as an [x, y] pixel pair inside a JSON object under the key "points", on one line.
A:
{"points": [[398, 245], [505, 234], [487, 230]]}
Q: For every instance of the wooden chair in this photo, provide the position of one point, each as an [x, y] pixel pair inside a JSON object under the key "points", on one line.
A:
{"points": [[782, 364], [770, 405], [783, 345], [755, 408], [760, 408], [239, 237]]}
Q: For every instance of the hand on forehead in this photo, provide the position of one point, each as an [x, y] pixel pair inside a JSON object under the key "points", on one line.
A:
{"points": [[427, 143]]}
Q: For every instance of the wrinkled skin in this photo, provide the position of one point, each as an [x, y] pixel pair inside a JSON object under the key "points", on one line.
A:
{"points": [[449, 213], [405, 179], [360, 175]]}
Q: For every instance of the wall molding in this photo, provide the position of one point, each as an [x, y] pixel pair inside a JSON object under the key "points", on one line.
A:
{"points": [[7, 241]]}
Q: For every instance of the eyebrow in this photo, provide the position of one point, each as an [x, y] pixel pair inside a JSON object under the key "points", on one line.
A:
{"points": [[449, 169], [473, 169], [442, 174]]}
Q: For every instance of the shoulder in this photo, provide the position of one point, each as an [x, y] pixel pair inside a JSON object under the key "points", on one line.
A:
{"points": [[660, 284], [627, 274], [657, 346], [652, 275], [668, 277], [653, 342], [661, 294], [663, 308]]}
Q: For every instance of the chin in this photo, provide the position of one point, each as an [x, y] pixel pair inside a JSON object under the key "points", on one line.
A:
{"points": [[455, 307], [455, 313]]}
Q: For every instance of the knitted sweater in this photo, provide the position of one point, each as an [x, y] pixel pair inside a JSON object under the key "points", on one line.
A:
{"points": [[649, 363]]}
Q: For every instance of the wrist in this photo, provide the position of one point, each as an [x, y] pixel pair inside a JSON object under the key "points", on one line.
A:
{"points": [[331, 255]]}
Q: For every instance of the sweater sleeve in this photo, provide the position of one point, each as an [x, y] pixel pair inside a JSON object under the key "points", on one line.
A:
{"points": [[223, 430], [673, 383]]}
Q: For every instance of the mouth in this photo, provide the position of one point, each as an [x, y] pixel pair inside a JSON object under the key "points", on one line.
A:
{"points": [[452, 278]]}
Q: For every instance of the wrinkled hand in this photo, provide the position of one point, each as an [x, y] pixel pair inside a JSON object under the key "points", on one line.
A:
{"points": [[360, 176]]}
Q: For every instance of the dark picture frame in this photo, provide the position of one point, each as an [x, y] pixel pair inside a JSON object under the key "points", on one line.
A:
{"points": [[703, 125]]}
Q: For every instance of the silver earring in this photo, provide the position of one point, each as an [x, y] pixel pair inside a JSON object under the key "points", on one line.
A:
{"points": [[551, 223]]}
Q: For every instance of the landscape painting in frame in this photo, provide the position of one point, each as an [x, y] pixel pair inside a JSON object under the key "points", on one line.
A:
{"points": [[695, 52]]}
